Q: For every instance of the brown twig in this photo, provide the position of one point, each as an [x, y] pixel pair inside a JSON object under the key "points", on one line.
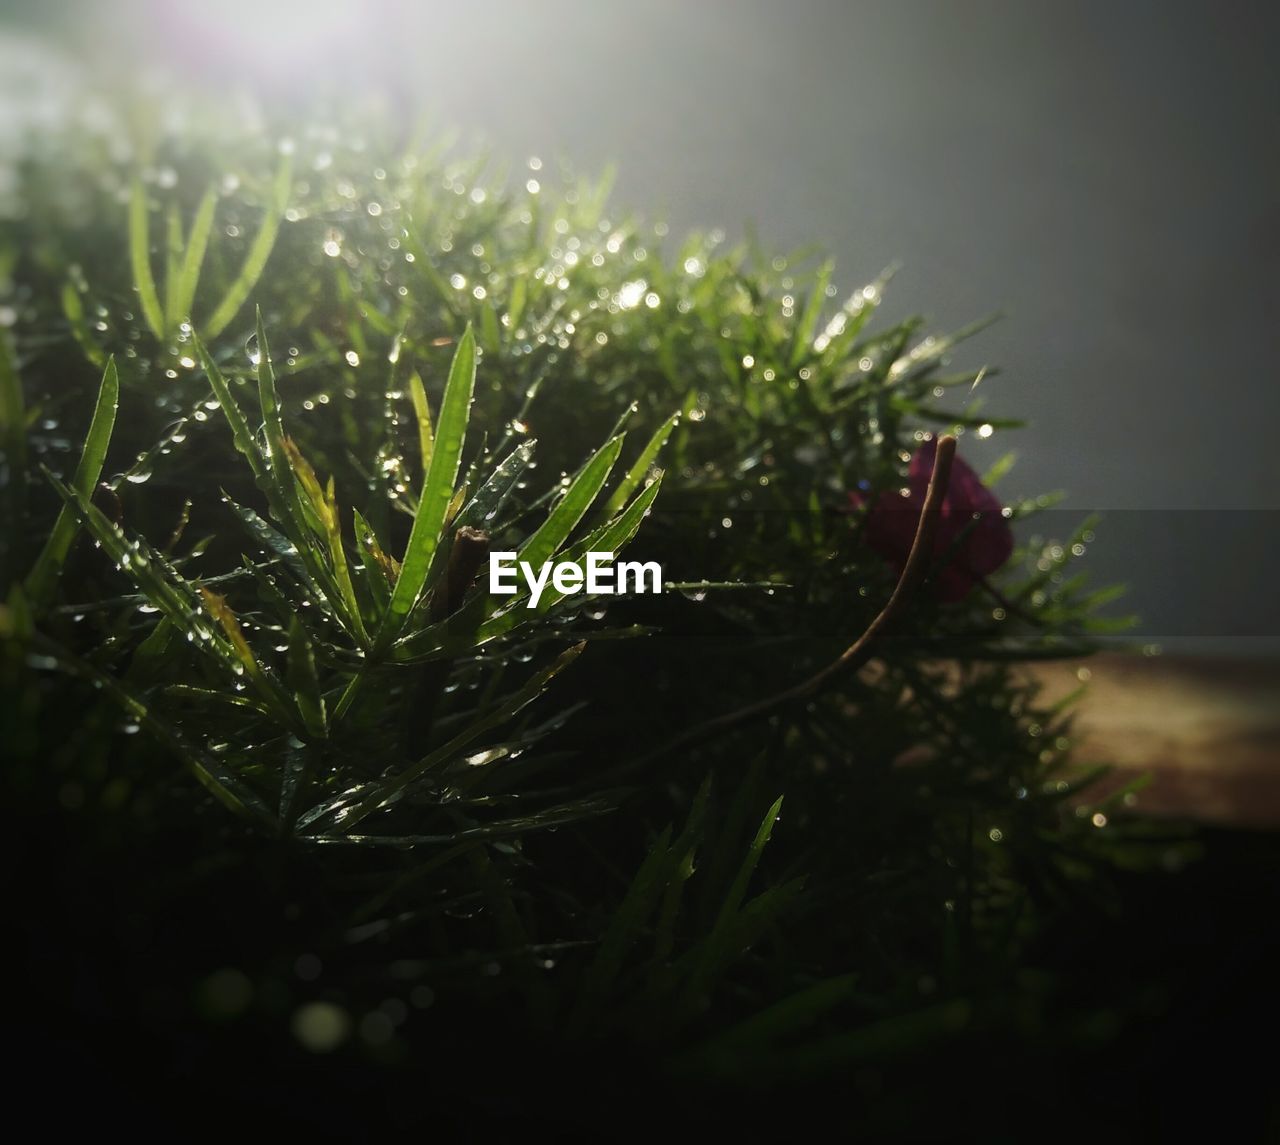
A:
{"points": [[470, 550], [860, 651]]}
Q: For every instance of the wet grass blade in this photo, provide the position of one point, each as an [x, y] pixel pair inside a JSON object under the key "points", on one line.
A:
{"points": [[175, 600], [166, 590], [228, 788], [49, 564], [1000, 469], [295, 774], [312, 504], [13, 431], [739, 888], [490, 330], [609, 538], [614, 536], [319, 507], [256, 260], [515, 306], [285, 487], [341, 570], [839, 334], [686, 848], [549, 817], [380, 570], [571, 508], [275, 478], [218, 608], [625, 927], [181, 289], [172, 260], [802, 338], [140, 259], [730, 834], [303, 681], [437, 491], [386, 792], [481, 510], [73, 308], [279, 470], [637, 473], [245, 441], [924, 358], [426, 435], [724, 938], [275, 542]]}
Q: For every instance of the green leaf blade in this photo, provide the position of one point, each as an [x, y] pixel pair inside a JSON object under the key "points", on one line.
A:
{"points": [[182, 292], [245, 441], [572, 507], [426, 434], [386, 792], [303, 681], [256, 260], [140, 259], [437, 491], [49, 564], [638, 471]]}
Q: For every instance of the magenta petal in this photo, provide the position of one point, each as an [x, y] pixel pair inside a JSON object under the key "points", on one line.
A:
{"points": [[951, 583], [973, 538], [973, 512], [966, 490], [990, 544], [891, 525]]}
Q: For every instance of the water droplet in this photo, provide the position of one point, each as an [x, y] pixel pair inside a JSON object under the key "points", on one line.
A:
{"points": [[321, 1027]]}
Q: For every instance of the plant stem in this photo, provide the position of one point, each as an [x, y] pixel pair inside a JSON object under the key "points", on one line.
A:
{"points": [[861, 650]]}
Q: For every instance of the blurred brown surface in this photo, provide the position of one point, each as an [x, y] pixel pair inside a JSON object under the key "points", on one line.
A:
{"points": [[1206, 731]]}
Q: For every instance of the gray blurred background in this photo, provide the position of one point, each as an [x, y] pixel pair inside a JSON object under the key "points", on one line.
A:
{"points": [[1104, 174]]}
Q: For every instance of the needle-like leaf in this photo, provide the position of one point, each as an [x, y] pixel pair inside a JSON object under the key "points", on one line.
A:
{"points": [[256, 260], [639, 470], [181, 290], [140, 258], [49, 564], [571, 508], [386, 792], [437, 491]]}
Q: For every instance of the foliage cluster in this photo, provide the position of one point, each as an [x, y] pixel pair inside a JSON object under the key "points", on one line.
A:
{"points": [[268, 392]]}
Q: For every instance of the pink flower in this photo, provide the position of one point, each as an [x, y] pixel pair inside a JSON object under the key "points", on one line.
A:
{"points": [[973, 539]]}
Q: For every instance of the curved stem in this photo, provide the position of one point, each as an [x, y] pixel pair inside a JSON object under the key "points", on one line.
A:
{"points": [[861, 650]]}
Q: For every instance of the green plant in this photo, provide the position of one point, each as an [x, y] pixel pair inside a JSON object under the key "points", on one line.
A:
{"points": [[333, 676], [319, 708]]}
